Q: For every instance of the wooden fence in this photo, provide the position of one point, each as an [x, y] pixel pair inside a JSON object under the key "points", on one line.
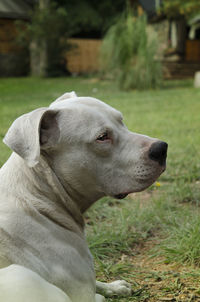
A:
{"points": [[84, 56]]}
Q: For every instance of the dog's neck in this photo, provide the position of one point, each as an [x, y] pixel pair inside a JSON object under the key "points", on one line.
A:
{"points": [[82, 190], [64, 199], [39, 189]]}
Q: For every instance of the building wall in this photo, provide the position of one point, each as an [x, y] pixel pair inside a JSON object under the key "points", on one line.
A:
{"points": [[7, 36], [14, 61]]}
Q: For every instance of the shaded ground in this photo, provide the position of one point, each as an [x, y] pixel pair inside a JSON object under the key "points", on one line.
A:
{"points": [[153, 278], [159, 281]]}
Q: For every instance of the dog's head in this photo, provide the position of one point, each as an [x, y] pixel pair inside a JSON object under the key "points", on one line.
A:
{"points": [[88, 146]]}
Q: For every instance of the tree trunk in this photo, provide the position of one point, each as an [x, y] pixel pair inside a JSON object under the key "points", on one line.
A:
{"points": [[38, 51], [181, 35]]}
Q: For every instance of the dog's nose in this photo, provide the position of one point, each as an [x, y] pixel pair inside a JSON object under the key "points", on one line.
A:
{"points": [[158, 152]]}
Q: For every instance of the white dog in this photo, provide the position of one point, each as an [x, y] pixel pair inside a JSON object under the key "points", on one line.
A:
{"points": [[65, 158]]}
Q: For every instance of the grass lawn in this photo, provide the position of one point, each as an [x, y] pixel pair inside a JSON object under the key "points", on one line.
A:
{"points": [[151, 239]]}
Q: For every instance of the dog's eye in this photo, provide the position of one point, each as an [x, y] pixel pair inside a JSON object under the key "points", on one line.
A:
{"points": [[104, 136]]}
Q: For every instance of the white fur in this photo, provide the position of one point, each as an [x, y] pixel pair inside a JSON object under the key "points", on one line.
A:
{"points": [[19, 284], [115, 288]]}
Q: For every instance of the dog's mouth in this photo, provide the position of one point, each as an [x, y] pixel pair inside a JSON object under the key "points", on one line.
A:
{"points": [[142, 183], [121, 196]]}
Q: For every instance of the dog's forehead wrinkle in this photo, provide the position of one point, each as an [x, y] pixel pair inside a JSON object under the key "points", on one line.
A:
{"points": [[86, 118]]}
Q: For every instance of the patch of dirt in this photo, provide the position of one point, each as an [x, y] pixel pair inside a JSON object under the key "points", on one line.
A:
{"points": [[157, 281], [145, 196], [154, 279]]}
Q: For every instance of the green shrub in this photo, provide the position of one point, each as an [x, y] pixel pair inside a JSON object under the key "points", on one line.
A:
{"points": [[48, 31], [129, 51]]}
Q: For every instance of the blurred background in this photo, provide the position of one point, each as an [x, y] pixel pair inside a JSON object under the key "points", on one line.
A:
{"points": [[57, 38]]}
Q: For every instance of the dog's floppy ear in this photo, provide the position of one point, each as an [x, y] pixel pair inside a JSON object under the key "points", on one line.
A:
{"points": [[32, 131], [67, 95]]}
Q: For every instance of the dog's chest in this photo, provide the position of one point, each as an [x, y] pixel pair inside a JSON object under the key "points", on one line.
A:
{"points": [[58, 255]]}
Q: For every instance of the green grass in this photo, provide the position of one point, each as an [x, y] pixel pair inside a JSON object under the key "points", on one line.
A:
{"points": [[116, 228]]}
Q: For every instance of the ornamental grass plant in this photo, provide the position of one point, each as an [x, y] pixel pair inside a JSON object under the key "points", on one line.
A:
{"points": [[129, 52]]}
